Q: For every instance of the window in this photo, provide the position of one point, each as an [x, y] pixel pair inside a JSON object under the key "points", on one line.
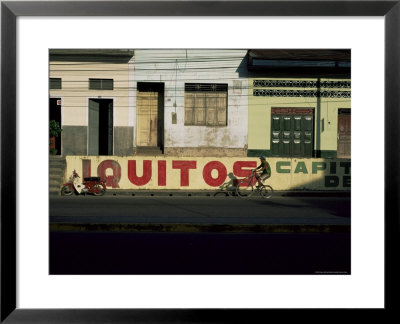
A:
{"points": [[206, 104], [55, 83], [292, 132], [101, 84]]}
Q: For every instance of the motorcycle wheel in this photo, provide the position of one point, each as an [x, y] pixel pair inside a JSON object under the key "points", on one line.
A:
{"points": [[98, 190], [66, 191]]}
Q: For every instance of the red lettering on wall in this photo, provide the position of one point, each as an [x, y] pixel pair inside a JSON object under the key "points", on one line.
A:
{"points": [[145, 178], [222, 173], [162, 173], [184, 166], [86, 169], [112, 180], [240, 172], [239, 165]]}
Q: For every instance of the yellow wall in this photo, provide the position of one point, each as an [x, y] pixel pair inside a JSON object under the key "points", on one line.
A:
{"points": [[287, 174], [259, 136]]}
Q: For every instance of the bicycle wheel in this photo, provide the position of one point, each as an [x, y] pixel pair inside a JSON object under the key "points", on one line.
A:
{"points": [[244, 188], [266, 191]]}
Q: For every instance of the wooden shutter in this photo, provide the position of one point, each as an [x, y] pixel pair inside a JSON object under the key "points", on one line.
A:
{"points": [[199, 109], [308, 129], [147, 119], [189, 108], [211, 108], [222, 108], [276, 135], [206, 104]]}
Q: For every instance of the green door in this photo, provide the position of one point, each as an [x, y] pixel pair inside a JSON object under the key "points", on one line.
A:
{"points": [[100, 128], [292, 132], [110, 129], [93, 129]]}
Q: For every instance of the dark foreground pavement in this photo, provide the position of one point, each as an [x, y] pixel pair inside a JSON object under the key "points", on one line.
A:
{"points": [[199, 253]]}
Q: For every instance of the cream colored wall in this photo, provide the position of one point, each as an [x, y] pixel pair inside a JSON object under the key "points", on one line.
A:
{"points": [[75, 91], [260, 114], [287, 174]]}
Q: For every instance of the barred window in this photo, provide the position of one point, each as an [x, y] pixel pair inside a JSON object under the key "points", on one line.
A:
{"points": [[55, 83], [101, 84], [206, 104]]}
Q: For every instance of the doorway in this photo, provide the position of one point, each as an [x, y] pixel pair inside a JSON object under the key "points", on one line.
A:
{"points": [[100, 130], [150, 114], [55, 114], [344, 133]]}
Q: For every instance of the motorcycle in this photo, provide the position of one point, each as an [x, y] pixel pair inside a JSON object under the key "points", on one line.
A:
{"points": [[92, 185]]}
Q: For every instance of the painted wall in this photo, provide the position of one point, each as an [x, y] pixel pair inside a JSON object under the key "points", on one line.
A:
{"points": [[174, 68], [209, 173], [75, 95], [325, 113]]}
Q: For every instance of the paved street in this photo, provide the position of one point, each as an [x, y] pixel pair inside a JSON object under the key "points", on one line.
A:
{"points": [[201, 210]]}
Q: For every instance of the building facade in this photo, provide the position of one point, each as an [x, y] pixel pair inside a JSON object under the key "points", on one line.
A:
{"points": [[307, 112], [191, 102], [199, 119], [89, 97]]}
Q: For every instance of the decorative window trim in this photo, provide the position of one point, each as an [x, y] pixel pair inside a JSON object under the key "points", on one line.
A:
{"points": [[301, 93], [301, 84]]}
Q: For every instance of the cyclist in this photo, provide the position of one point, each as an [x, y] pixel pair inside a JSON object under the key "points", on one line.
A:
{"points": [[265, 171]]}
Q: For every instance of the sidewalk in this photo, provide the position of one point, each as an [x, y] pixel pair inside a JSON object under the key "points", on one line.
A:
{"points": [[214, 193]]}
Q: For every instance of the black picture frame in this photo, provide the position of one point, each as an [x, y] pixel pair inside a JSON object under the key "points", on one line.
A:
{"points": [[10, 10]]}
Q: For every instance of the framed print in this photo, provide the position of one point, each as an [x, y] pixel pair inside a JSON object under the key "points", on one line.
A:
{"points": [[161, 25]]}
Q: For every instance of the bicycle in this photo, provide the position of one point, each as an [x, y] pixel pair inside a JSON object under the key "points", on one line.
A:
{"points": [[245, 187]]}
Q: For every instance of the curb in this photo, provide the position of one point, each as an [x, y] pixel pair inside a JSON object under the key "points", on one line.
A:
{"points": [[198, 228], [211, 193]]}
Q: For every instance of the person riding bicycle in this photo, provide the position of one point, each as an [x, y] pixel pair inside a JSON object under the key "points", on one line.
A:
{"points": [[265, 171]]}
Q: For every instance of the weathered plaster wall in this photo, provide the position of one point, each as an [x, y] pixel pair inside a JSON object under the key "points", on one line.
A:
{"points": [[174, 68]]}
